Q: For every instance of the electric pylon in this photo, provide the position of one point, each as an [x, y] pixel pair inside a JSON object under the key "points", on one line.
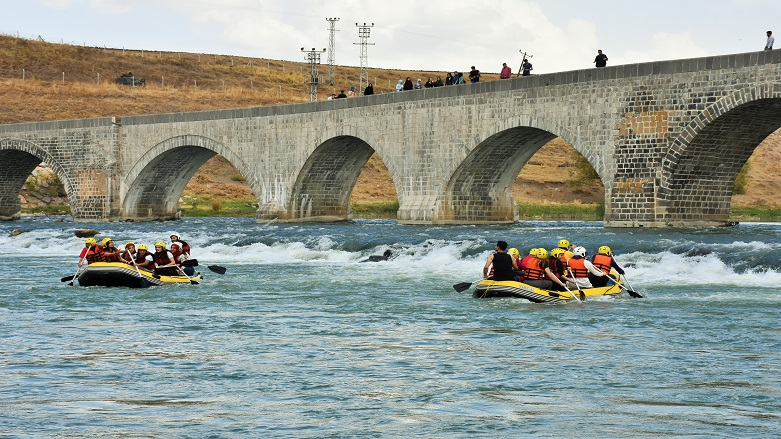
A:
{"points": [[312, 79], [332, 49], [364, 31]]}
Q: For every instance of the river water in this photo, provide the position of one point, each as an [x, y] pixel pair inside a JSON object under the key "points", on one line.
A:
{"points": [[301, 339]]}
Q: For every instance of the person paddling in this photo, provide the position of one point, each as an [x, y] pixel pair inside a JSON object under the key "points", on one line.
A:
{"points": [[92, 252], [580, 268], [604, 261], [144, 258], [165, 265], [128, 254], [110, 251], [504, 266]]}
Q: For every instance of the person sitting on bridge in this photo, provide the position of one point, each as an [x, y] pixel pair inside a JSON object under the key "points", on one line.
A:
{"points": [[341, 95], [165, 265], [502, 264], [604, 261], [400, 85], [369, 90], [144, 258], [408, 85]]}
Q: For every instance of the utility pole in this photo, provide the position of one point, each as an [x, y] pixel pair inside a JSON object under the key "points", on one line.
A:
{"points": [[332, 49], [313, 57], [364, 34], [524, 56]]}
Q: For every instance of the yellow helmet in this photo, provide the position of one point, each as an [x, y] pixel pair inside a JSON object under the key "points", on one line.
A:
{"points": [[90, 241], [105, 241], [556, 252], [160, 244], [604, 250], [563, 243], [143, 247], [514, 252], [533, 251], [130, 243], [542, 253]]}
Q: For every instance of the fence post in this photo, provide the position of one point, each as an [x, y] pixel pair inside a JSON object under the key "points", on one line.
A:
{"points": [[98, 78], [23, 74], [63, 77]]}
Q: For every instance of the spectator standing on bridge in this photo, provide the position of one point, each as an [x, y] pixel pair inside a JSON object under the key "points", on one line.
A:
{"points": [[408, 85], [429, 83], [351, 92], [417, 85], [526, 68], [341, 95], [458, 78], [506, 71], [474, 75], [770, 40], [448, 79], [400, 85], [369, 90], [601, 59], [438, 82]]}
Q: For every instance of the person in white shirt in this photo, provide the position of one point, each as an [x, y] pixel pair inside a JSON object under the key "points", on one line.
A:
{"points": [[580, 267], [770, 40]]}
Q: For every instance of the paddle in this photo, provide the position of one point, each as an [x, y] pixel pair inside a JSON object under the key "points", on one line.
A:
{"points": [[70, 278], [630, 292], [634, 294], [571, 293], [145, 282], [572, 274], [178, 268], [463, 286], [215, 268]]}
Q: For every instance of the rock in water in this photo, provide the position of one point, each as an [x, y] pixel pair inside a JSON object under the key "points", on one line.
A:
{"points": [[85, 233], [17, 232]]}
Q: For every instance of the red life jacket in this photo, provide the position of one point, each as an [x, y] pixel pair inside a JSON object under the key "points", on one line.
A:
{"points": [[603, 262], [95, 254], [533, 268], [141, 260], [577, 266], [185, 247], [111, 256], [161, 258]]}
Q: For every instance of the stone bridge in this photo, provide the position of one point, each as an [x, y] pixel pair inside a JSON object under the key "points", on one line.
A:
{"points": [[667, 139]]}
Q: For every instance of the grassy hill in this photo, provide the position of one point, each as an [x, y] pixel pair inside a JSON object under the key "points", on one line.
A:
{"points": [[45, 81]]}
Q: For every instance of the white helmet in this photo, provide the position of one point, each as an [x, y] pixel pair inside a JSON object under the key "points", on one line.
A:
{"points": [[579, 251]]}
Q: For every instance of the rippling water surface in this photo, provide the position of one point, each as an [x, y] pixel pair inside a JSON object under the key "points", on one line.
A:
{"points": [[301, 339]]}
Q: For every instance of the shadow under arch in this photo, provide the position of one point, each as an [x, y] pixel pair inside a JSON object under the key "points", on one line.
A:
{"points": [[480, 190], [326, 181], [154, 184], [699, 170], [19, 158]]}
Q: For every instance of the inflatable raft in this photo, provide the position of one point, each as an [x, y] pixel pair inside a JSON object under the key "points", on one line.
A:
{"points": [[117, 274], [490, 288]]}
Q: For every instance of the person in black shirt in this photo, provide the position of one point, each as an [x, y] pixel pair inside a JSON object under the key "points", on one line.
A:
{"points": [[474, 75], [601, 59], [504, 264]]}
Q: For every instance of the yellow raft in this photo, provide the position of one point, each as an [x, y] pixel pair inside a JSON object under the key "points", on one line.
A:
{"points": [[490, 288], [118, 274]]}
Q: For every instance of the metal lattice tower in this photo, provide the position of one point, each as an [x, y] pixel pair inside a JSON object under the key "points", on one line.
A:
{"points": [[332, 49], [364, 31], [312, 79]]}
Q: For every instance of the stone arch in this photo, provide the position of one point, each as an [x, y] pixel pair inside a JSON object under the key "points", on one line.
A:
{"points": [[699, 170], [19, 159], [325, 183], [153, 185], [480, 190]]}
